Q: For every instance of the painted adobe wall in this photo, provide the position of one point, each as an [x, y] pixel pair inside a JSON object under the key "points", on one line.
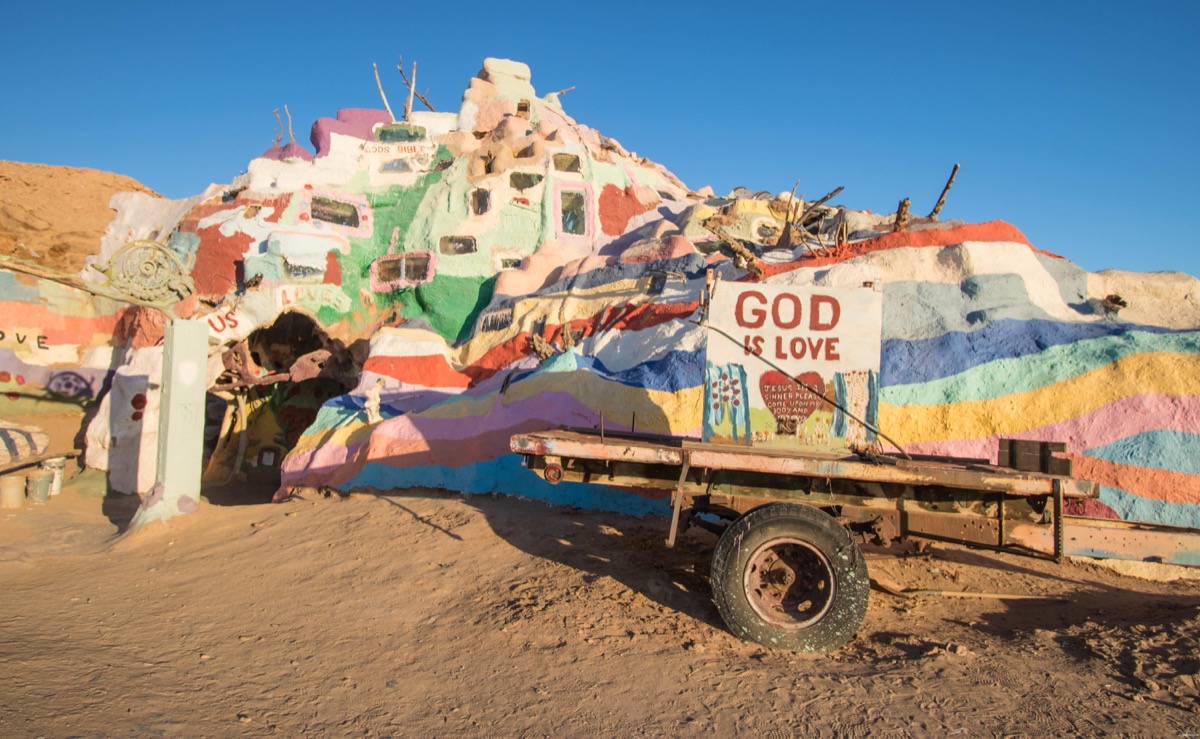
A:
{"points": [[984, 336]]}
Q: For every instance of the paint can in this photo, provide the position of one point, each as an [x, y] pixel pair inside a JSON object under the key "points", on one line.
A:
{"points": [[37, 486], [58, 466], [12, 491]]}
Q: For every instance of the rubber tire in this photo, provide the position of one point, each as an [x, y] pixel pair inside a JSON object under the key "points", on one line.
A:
{"points": [[852, 585]]}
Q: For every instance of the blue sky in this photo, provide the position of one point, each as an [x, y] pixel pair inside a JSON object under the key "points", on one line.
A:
{"points": [[1075, 121]]}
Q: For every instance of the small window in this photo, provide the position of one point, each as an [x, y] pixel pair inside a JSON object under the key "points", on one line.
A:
{"points": [[399, 132], [481, 201], [566, 162], [573, 212], [526, 153], [665, 195], [523, 109], [658, 283], [454, 245], [524, 180], [250, 212], [481, 135], [395, 166], [400, 270], [511, 262], [334, 211]]}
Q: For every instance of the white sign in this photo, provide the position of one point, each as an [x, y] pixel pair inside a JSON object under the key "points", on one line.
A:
{"points": [[790, 365]]}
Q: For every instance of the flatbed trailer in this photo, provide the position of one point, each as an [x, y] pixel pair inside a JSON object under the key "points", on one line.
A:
{"points": [[787, 570]]}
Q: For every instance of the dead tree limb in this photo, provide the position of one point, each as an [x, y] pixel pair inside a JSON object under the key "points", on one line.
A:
{"points": [[942, 198], [291, 133], [565, 90], [743, 256], [901, 216], [808, 211], [785, 237], [412, 84], [381, 93], [279, 131]]}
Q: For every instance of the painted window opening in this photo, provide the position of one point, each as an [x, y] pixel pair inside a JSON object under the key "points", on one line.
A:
{"points": [[250, 212], [527, 153], [454, 245], [523, 109], [511, 262], [574, 212], [395, 166], [402, 270], [481, 201], [524, 180], [399, 132], [567, 163], [334, 211]]}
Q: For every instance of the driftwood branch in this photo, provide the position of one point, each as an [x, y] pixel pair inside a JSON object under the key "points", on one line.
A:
{"points": [[381, 93], [901, 216], [291, 133], [564, 91], [744, 256], [785, 237], [412, 87], [412, 83], [942, 198], [810, 209], [278, 131]]}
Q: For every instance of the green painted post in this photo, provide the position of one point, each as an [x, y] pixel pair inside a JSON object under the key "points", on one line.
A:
{"points": [[180, 424]]}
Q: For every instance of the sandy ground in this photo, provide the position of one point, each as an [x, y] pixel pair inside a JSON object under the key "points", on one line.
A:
{"points": [[424, 613]]}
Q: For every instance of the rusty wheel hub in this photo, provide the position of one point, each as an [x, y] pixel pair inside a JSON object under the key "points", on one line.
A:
{"points": [[789, 583]]}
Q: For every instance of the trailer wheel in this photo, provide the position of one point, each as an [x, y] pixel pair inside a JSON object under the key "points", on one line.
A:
{"points": [[789, 576]]}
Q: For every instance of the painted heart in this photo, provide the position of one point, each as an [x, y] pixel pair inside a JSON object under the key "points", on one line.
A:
{"points": [[786, 399]]}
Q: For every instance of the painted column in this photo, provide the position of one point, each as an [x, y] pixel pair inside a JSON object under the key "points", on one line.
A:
{"points": [[180, 424]]}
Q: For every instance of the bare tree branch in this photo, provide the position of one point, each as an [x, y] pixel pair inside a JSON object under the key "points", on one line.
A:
{"points": [[291, 133], [942, 199], [381, 94], [412, 84]]}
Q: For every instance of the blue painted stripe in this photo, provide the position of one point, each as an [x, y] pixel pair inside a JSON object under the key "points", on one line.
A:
{"points": [[507, 475], [1163, 450], [908, 362], [1134, 508]]}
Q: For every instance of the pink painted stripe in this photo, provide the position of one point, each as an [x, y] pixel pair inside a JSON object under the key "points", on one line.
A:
{"points": [[1112, 422]]}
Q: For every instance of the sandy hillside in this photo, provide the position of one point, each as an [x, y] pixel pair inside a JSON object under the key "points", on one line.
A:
{"points": [[428, 614], [56, 215]]}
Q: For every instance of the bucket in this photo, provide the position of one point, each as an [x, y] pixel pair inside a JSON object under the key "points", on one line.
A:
{"points": [[12, 491], [58, 466], [37, 486]]}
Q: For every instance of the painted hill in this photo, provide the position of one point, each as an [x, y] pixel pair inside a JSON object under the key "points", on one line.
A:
{"points": [[392, 306]]}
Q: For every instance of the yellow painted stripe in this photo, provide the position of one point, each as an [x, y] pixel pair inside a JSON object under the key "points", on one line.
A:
{"points": [[1152, 372]]}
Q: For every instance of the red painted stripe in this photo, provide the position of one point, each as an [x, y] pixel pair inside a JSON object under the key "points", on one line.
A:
{"points": [[933, 237], [427, 370], [1145, 482]]}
